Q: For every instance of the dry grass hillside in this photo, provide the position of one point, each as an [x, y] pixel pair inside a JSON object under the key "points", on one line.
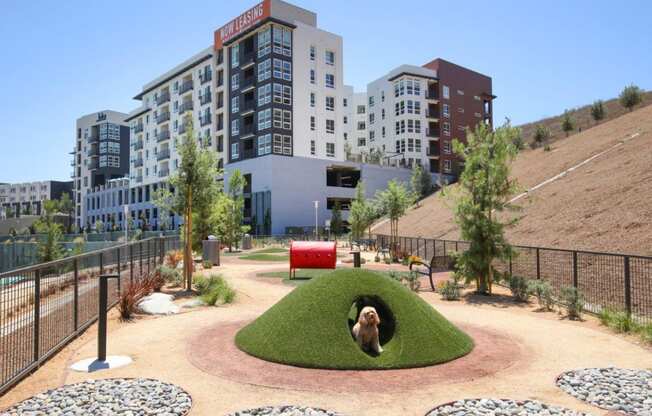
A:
{"points": [[603, 205], [582, 118]]}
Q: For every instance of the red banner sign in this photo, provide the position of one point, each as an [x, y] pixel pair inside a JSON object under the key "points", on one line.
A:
{"points": [[242, 23]]}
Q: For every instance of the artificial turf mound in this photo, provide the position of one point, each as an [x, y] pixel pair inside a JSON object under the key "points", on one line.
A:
{"points": [[311, 326]]}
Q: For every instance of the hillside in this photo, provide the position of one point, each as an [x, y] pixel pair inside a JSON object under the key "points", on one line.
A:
{"points": [[603, 205], [582, 118]]}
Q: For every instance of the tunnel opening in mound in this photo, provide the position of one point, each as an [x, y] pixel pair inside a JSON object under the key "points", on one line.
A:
{"points": [[387, 322], [311, 326]]}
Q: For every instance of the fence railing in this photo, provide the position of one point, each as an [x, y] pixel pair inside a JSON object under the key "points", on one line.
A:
{"points": [[617, 281], [43, 307]]}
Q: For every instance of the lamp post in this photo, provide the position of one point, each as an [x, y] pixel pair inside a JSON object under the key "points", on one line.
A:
{"points": [[125, 221], [316, 221]]}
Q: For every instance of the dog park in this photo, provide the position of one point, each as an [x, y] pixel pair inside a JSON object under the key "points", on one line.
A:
{"points": [[285, 344]]}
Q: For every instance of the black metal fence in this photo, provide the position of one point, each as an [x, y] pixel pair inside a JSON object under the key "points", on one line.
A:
{"points": [[43, 307], [607, 280]]}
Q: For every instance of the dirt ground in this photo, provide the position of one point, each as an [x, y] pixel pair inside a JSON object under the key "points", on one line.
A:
{"points": [[539, 346], [602, 206]]}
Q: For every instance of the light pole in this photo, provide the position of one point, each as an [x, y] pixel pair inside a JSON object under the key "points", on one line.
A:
{"points": [[125, 222], [316, 221]]}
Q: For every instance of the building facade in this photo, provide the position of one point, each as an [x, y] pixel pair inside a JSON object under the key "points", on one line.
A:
{"points": [[27, 198], [101, 153]]}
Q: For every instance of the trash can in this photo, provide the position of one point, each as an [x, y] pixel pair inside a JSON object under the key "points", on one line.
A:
{"points": [[211, 251], [246, 242]]}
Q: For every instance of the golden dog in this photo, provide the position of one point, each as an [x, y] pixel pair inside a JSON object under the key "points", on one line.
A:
{"points": [[365, 331]]}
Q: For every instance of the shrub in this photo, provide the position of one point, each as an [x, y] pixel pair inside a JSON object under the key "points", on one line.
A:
{"points": [[173, 258], [541, 135], [646, 333], [170, 275], [214, 289], [543, 292], [377, 259], [395, 276], [547, 148], [630, 97], [619, 321], [207, 264], [519, 287], [449, 290], [573, 301], [387, 260], [412, 280], [131, 295]]}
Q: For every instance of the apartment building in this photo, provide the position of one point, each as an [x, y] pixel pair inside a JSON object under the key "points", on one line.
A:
{"points": [[414, 113], [27, 198], [101, 153]]}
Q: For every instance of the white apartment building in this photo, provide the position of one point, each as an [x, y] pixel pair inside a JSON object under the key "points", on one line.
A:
{"points": [[101, 153], [27, 198]]}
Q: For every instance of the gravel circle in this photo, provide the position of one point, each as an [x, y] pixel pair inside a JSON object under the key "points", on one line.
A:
{"points": [[500, 407], [113, 396], [285, 411], [618, 389]]}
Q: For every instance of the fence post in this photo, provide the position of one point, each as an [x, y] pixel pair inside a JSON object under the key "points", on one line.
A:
{"points": [[101, 263], [510, 265], [76, 296], [575, 277], [37, 313], [131, 263], [628, 287], [538, 265], [101, 318], [161, 243], [119, 268], [140, 260]]}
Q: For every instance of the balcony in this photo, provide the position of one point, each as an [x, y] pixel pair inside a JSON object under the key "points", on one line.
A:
{"points": [[93, 150], [163, 154], [138, 145], [432, 114], [163, 136], [432, 133], [248, 107], [138, 128], [139, 179], [205, 76], [185, 107], [138, 162], [182, 128], [72, 162], [247, 130], [162, 173], [432, 150], [185, 87], [205, 119], [247, 83], [205, 99], [94, 164], [163, 117], [432, 95], [163, 98]]}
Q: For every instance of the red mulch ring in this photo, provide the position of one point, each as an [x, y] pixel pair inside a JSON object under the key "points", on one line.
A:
{"points": [[214, 351]]}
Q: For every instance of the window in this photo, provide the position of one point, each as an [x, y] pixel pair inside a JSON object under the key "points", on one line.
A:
{"points": [[235, 82], [447, 166], [371, 101], [382, 132], [330, 126], [410, 145], [312, 123], [460, 110], [446, 127], [447, 147], [382, 114], [235, 151], [330, 149], [265, 119], [361, 125], [361, 109], [282, 69], [282, 119], [330, 58], [409, 90], [264, 42], [330, 103], [372, 118], [282, 94], [235, 127], [372, 135], [410, 107], [330, 80], [417, 107], [312, 53], [417, 87], [410, 126], [446, 92], [345, 102], [382, 96], [362, 141], [264, 144], [461, 128], [312, 147], [460, 92], [235, 104], [312, 99], [345, 120], [235, 56], [282, 144], [312, 76], [264, 70], [417, 145], [264, 95], [417, 126], [282, 41], [446, 111]]}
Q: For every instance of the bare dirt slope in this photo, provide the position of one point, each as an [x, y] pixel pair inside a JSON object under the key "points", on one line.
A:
{"points": [[603, 205]]}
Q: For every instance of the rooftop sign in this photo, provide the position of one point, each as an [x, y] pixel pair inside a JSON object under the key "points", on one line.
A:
{"points": [[242, 23]]}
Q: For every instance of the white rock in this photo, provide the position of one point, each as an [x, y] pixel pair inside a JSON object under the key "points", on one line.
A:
{"points": [[158, 304]]}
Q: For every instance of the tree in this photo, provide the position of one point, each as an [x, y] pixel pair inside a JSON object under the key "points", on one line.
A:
{"points": [[597, 111], [361, 214], [420, 182], [393, 202], [541, 135], [67, 207], [228, 212], [194, 187], [49, 249], [9, 212], [99, 226], [567, 123], [336, 219], [630, 97], [485, 189]]}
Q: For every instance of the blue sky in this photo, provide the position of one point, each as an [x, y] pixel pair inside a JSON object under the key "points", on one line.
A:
{"points": [[61, 60]]}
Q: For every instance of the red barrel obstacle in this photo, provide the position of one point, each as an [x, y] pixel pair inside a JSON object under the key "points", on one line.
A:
{"points": [[312, 255]]}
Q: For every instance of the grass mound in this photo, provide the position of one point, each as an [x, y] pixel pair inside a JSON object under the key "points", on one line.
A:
{"points": [[311, 327]]}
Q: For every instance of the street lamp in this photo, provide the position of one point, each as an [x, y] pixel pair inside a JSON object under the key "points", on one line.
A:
{"points": [[316, 221], [125, 222]]}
